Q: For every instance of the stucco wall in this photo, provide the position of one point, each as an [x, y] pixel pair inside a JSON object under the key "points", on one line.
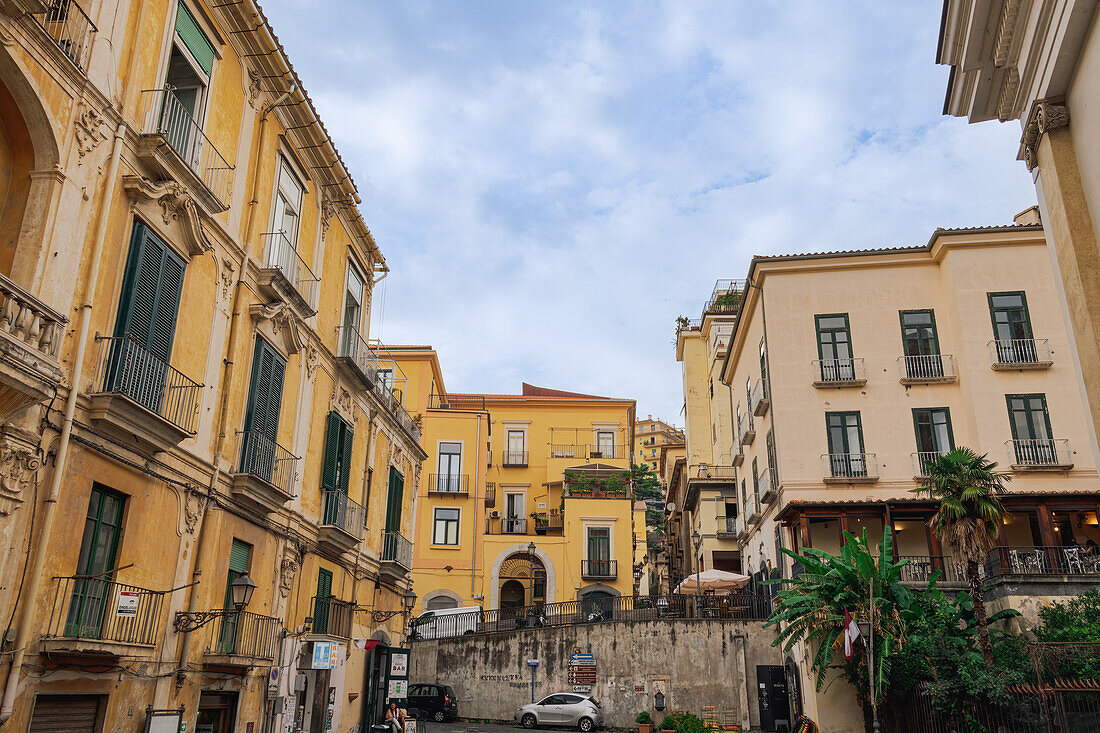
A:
{"points": [[695, 663]]}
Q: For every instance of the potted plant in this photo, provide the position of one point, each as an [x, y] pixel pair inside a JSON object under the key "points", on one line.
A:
{"points": [[645, 722], [668, 725]]}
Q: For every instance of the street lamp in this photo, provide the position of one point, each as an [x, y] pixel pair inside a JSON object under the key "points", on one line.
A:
{"points": [[240, 593], [241, 590], [698, 540]]}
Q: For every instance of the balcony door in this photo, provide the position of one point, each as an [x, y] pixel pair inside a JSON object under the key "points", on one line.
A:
{"points": [[449, 478], [516, 444], [513, 513], [921, 345], [353, 311], [261, 416], [240, 554], [834, 348], [605, 443], [138, 362], [323, 601], [394, 498], [846, 456], [336, 471], [1012, 327], [599, 551], [98, 548], [1031, 434], [187, 80]]}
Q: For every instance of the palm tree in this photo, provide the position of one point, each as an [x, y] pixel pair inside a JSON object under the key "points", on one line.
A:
{"points": [[967, 487]]}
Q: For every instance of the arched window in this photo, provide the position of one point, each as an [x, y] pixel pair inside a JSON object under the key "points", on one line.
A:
{"points": [[440, 603]]}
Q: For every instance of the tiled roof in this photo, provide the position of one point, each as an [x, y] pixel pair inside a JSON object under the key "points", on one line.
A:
{"points": [[530, 390], [407, 347]]}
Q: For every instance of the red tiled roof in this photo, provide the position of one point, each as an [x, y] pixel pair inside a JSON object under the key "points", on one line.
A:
{"points": [[530, 390]]}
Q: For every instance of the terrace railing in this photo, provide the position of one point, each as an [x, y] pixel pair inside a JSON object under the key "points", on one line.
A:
{"points": [[281, 254], [343, 513], [93, 607], [1020, 353], [262, 457], [719, 472], [247, 634], [606, 451], [128, 369], [1023, 560], [355, 349], [70, 28]]}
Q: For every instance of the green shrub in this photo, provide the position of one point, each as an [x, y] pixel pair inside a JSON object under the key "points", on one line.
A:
{"points": [[689, 724], [669, 723], [644, 718]]}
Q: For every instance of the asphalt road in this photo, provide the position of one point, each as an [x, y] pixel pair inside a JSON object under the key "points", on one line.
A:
{"points": [[460, 727]]}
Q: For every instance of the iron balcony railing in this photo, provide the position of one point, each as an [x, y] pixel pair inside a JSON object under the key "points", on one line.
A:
{"points": [[281, 254], [849, 466], [722, 472], [921, 568], [1020, 353], [331, 616], [449, 483], [247, 634], [838, 372], [355, 349], [567, 450], [926, 368], [760, 399], [727, 525], [548, 522], [726, 297], [128, 369], [741, 605], [386, 396], [93, 607], [1043, 561], [262, 457], [395, 548], [1039, 453], [490, 493], [165, 115], [343, 513], [70, 28], [921, 459], [606, 451], [509, 525], [456, 402], [514, 459], [599, 569], [746, 430]]}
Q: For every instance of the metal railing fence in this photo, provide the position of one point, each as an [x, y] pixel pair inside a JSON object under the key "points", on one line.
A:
{"points": [[343, 513], [70, 28], [514, 458], [839, 371], [1039, 452], [395, 548], [599, 568], [247, 634], [921, 459], [129, 369], [94, 607], [1022, 352], [927, 368], [262, 457], [356, 350], [449, 483], [840, 466]]}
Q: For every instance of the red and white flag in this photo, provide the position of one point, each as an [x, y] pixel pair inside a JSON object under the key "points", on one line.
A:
{"points": [[851, 633]]}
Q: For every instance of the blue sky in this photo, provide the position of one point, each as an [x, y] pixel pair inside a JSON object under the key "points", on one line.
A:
{"points": [[553, 183]]}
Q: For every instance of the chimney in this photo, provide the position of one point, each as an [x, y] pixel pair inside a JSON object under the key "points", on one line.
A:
{"points": [[1028, 217], [649, 417]]}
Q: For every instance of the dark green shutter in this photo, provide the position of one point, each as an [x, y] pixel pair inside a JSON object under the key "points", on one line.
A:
{"points": [[151, 288], [195, 40], [321, 605], [345, 460], [265, 397], [393, 501], [331, 464], [238, 557]]}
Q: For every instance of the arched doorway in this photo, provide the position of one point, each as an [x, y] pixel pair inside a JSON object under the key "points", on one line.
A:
{"points": [[598, 605], [522, 581], [16, 163]]}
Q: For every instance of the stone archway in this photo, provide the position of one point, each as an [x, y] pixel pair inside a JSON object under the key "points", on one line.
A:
{"points": [[438, 599], [520, 551]]}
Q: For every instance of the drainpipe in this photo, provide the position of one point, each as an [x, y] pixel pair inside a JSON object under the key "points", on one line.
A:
{"points": [[7, 706], [477, 474]]}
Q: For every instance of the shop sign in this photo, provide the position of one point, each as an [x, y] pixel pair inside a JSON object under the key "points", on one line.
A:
{"points": [[399, 665], [324, 654]]}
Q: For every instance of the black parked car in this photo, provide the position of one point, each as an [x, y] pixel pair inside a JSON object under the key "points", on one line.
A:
{"points": [[432, 702]]}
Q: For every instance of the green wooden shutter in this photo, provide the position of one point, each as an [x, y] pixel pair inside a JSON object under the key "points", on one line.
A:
{"points": [[345, 459], [151, 288], [265, 396], [195, 40], [330, 465], [393, 501], [324, 583], [238, 557]]}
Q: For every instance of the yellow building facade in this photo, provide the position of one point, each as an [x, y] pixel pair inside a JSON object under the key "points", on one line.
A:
{"points": [[189, 402], [874, 362], [526, 499], [649, 436]]}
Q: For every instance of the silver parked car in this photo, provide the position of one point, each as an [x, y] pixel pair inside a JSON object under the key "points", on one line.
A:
{"points": [[561, 708]]}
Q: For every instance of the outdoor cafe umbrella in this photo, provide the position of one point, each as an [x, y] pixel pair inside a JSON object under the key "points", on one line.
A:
{"points": [[718, 581]]}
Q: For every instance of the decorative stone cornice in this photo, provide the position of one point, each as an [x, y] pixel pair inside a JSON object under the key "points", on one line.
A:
{"points": [[342, 403], [1044, 117], [283, 322], [176, 205]]}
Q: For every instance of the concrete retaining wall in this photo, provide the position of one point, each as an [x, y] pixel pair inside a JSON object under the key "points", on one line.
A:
{"points": [[693, 662]]}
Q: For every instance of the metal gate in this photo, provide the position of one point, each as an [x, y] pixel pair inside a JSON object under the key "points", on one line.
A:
{"points": [[66, 713]]}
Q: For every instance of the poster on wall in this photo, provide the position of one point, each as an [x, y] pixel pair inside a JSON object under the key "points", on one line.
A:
{"points": [[397, 677], [398, 689], [399, 664]]}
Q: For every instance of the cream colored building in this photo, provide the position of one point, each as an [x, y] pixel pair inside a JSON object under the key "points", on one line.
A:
{"points": [[1039, 63], [649, 436], [703, 488], [875, 361]]}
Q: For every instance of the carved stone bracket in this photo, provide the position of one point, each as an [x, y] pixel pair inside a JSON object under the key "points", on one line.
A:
{"points": [[1044, 118], [312, 360], [328, 210], [254, 82], [19, 462], [193, 506], [342, 403], [226, 278], [176, 206], [283, 322], [88, 129], [288, 568]]}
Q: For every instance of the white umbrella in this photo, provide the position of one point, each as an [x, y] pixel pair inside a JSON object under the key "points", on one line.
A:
{"points": [[719, 581]]}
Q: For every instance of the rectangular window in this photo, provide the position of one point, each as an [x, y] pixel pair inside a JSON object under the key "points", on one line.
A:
{"points": [[834, 347], [260, 453], [449, 477], [287, 214], [1032, 438], [445, 526], [1012, 328], [845, 434], [605, 443], [921, 345], [516, 455], [599, 551], [933, 431], [240, 555], [353, 310], [513, 522], [322, 601], [98, 550]]}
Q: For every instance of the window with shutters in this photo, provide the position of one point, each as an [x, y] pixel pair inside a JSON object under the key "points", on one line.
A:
{"points": [[260, 451], [190, 64], [394, 499], [336, 469], [98, 551], [322, 601], [240, 556]]}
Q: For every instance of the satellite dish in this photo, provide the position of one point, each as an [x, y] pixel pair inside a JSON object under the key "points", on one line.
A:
{"points": [[671, 506]]}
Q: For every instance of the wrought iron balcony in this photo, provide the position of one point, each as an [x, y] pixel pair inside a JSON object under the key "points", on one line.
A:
{"points": [[725, 298], [717, 472], [165, 118], [754, 510], [507, 525], [142, 397], [390, 403], [30, 342], [449, 484], [727, 527], [1042, 561], [287, 275], [342, 520], [599, 569], [70, 28], [839, 372], [849, 468], [746, 430], [265, 472], [760, 398], [356, 356], [331, 616], [514, 459], [766, 488], [490, 493], [921, 459], [926, 368], [1020, 353], [92, 614], [396, 554], [567, 450], [606, 451], [243, 637], [921, 568], [1040, 454]]}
